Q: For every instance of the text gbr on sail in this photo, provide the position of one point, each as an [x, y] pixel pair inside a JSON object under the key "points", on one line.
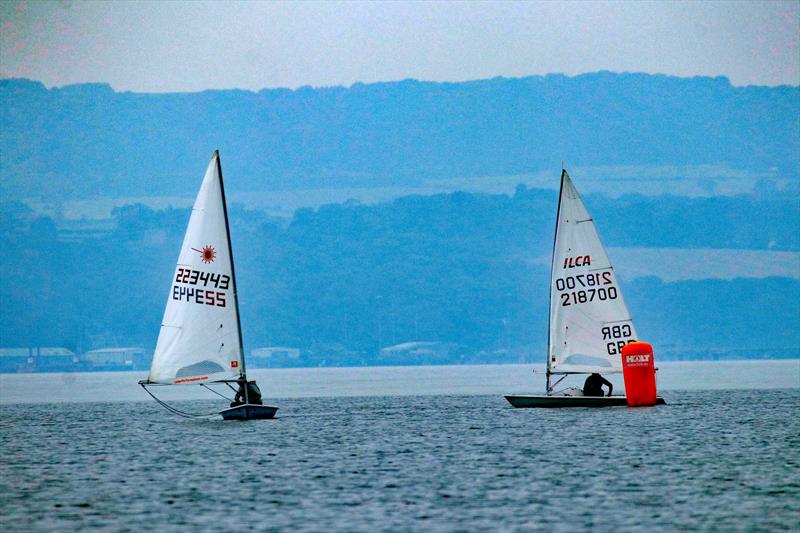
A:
{"points": [[623, 332]]}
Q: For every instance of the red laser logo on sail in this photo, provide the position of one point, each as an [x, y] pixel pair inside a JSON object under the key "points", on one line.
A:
{"points": [[208, 253]]}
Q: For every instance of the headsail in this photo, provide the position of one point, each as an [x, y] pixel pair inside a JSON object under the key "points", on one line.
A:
{"points": [[200, 339], [589, 321]]}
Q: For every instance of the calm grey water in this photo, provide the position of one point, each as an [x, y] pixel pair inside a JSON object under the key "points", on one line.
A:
{"points": [[712, 460]]}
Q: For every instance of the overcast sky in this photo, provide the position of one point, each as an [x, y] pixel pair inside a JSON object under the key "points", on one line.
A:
{"points": [[191, 46]]}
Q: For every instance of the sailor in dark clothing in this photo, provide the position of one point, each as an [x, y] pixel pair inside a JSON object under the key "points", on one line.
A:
{"points": [[593, 386], [253, 394]]}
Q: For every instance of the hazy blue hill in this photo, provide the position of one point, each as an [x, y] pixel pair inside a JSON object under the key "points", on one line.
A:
{"points": [[344, 280], [742, 313], [744, 221], [85, 140]]}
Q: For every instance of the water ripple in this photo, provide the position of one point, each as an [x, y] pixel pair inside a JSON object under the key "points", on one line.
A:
{"points": [[710, 460]]}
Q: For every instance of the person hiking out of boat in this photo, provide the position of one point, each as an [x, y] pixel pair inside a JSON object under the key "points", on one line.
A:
{"points": [[253, 396], [593, 386]]}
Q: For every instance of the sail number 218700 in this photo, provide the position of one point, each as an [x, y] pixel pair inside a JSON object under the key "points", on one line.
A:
{"points": [[584, 288]]}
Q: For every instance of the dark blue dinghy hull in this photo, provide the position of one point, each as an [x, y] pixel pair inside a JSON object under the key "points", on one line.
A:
{"points": [[249, 412], [519, 400]]}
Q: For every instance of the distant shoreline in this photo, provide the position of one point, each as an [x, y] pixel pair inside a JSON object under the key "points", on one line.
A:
{"points": [[280, 385], [721, 358]]}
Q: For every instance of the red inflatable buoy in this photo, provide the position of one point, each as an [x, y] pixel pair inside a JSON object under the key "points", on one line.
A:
{"points": [[638, 367]]}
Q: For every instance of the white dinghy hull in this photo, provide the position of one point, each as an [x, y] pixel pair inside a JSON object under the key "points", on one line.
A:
{"points": [[519, 400], [249, 412]]}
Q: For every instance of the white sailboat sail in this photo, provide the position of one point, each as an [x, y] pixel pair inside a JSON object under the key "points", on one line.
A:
{"points": [[589, 321], [200, 339]]}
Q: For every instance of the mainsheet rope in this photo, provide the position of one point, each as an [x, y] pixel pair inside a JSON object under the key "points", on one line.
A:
{"points": [[178, 411], [217, 393]]}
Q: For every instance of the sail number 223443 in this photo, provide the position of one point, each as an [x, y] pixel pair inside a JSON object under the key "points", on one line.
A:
{"points": [[197, 279]]}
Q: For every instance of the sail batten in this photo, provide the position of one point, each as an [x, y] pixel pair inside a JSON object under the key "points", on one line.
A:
{"points": [[200, 336], [589, 321]]}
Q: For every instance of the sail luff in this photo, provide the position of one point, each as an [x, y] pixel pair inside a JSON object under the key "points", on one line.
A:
{"points": [[242, 370], [552, 273]]}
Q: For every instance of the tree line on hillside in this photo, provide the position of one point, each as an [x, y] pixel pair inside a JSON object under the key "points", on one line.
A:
{"points": [[465, 269]]}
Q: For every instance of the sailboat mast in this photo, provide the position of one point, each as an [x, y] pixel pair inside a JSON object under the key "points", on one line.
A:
{"points": [[243, 370], [552, 269]]}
